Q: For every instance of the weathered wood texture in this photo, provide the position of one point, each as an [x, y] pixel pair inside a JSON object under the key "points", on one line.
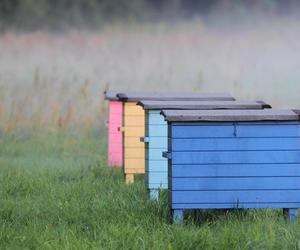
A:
{"points": [[115, 149], [234, 165]]}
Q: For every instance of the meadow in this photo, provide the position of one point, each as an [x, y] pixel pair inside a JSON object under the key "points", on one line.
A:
{"points": [[55, 187], [58, 193]]}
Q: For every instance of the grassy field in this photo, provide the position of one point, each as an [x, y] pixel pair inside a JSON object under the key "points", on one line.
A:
{"points": [[57, 193], [56, 190]]}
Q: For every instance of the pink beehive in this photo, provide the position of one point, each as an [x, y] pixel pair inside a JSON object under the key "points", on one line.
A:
{"points": [[113, 125]]}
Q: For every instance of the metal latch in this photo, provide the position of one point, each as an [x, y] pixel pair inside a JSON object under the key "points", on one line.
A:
{"points": [[121, 129], [144, 139], [167, 155]]}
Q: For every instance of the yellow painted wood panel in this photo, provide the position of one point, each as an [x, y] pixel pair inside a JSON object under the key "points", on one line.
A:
{"points": [[133, 142], [135, 152], [130, 108], [134, 132], [133, 120], [135, 171], [137, 164], [134, 128]]}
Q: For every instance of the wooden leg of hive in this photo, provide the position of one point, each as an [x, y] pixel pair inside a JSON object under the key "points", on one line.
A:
{"points": [[129, 178], [177, 216], [290, 213]]}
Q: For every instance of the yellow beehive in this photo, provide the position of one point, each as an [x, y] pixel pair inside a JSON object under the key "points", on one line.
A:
{"points": [[134, 149]]}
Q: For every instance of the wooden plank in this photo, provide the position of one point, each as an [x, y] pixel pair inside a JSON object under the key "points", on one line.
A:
{"points": [[138, 152], [236, 196], [134, 170], [138, 96], [201, 105], [230, 115], [234, 205], [133, 142], [133, 120], [233, 170], [158, 130], [158, 143], [116, 140], [130, 108], [235, 144], [157, 178], [156, 154], [157, 166], [134, 131], [235, 157], [227, 130], [115, 117], [155, 118], [234, 183]]}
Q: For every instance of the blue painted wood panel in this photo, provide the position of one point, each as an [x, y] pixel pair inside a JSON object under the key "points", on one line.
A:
{"points": [[158, 130], [215, 144], [158, 166], [155, 154], [230, 165], [235, 157], [158, 142], [234, 205], [236, 183], [244, 123], [157, 178], [254, 196], [155, 118], [235, 170], [228, 130]]}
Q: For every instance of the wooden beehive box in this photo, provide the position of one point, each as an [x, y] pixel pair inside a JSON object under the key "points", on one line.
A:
{"points": [[156, 135], [233, 159], [134, 125], [113, 125]]}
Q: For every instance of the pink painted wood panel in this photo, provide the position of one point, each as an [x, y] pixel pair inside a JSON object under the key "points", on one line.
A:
{"points": [[115, 137]]}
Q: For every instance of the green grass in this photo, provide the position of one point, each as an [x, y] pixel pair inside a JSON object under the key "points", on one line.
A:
{"points": [[57, 193]]}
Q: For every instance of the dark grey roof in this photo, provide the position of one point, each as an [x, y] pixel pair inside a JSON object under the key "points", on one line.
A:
{"points": [[202, 105], [138, 96], [231, 115]]}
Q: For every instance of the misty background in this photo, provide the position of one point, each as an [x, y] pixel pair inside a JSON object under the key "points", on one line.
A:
{"points": [[58, 56]]}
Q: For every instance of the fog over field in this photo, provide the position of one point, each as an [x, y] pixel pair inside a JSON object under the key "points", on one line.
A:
{"points": [[57, 79], [56, 60]]}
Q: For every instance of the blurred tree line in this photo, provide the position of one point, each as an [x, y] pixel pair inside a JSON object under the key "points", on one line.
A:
{"points": [[56, 14]]}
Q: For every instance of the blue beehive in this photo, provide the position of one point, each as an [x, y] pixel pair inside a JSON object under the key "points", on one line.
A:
{"points": [[156, 167], [233, 159]]}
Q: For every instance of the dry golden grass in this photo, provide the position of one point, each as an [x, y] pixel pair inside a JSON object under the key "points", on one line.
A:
{"points": [[50, 81]]}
